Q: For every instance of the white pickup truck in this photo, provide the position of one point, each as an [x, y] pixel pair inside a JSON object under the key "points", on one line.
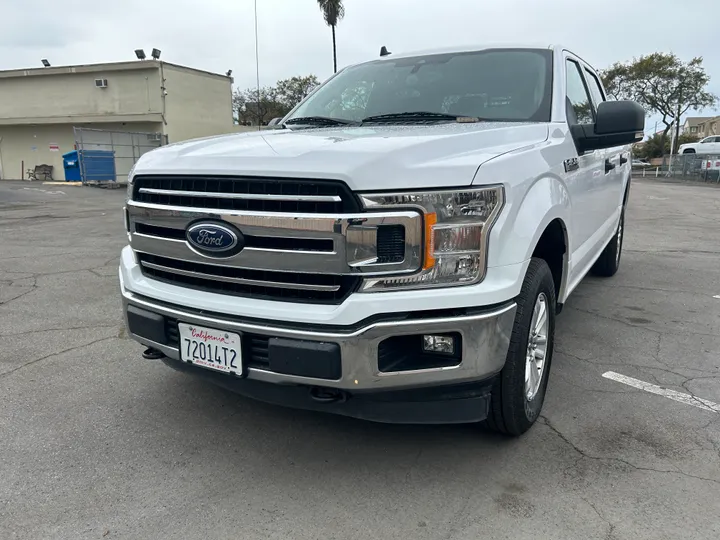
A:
{"points": [[398, 248]]}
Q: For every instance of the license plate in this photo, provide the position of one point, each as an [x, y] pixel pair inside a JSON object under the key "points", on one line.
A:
{"points": [[210, 348]]}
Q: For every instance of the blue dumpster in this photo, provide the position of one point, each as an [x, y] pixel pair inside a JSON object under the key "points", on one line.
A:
{"points": [[97, 165], [71, 164]]}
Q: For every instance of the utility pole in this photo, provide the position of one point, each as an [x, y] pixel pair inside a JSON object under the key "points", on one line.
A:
{"points": [[257, 66], [676, 131], [677, 128]]}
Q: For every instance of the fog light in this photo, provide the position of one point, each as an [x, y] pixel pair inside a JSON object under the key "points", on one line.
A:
{"points": [[439, 344]]}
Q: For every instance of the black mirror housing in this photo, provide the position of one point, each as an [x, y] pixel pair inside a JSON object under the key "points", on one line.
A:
{"points": [[614, 117], [617, 123]]}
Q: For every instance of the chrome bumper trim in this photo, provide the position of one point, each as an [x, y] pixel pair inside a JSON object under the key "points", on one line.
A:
{"points": [[241, 281], [485, 341]]}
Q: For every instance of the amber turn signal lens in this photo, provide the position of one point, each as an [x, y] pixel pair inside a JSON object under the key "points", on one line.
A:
{"points": [[429, 260]]}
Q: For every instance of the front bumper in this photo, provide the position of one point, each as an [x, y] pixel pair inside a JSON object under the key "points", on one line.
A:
{"points": [[485, 336], [447, 404]]}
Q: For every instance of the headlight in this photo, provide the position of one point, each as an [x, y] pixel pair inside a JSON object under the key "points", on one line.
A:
{"points": [[130, 177], [457, 226]]}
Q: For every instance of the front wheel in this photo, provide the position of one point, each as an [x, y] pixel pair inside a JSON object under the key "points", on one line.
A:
{"points": [[519, 391]]}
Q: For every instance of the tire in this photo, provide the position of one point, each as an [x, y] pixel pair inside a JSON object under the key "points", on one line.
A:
{"points": [[514, 407], [609, 261], [691, 151]]}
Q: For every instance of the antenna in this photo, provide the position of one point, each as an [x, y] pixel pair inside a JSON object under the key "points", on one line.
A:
{"points": [[384, 51]]}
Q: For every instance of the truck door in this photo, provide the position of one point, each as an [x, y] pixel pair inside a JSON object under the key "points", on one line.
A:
{"points": [[586, 185], [716, 146], [617, 158]]}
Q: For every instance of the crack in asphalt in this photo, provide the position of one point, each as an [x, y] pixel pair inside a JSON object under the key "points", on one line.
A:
{"points": [[594, 390], [33, 287], [585, 455], [625, 323], [7, 373], [683, 251], [641, 367], [46, 218], [703, 403], [62, 329], [705, 434], [700, 401], [611, 526], [61, 272], [655, 289]]}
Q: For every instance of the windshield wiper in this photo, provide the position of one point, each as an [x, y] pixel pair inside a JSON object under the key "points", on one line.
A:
{"points": [[319, 121], [413, 116]]}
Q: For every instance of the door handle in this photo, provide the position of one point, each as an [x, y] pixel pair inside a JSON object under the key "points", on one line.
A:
{"points": [[608, 166], [623, 159]]}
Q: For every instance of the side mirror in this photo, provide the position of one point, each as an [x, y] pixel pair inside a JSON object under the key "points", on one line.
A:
{"points": [[617, 123], [274, 121]]}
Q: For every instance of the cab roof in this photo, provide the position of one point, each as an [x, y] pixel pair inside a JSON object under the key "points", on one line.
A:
{"points": [[471, 48]]}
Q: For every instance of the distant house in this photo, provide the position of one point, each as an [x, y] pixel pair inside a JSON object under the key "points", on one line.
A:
{"points": [[701, 126]]}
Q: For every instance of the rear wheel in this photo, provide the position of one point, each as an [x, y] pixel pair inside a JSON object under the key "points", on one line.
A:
{"points": [[609, 262], [519, 391]]}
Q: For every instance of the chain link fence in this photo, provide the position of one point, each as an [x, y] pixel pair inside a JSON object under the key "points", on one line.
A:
{"points": [[111, 154], [688, 167]]}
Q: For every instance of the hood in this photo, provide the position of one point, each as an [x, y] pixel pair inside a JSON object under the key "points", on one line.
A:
{"points": [[365, 158]]}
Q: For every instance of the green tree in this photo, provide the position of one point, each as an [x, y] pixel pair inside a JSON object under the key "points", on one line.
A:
{"points": [[656, 146], [292, 91], [248, 109], [333, 11], [663, 84]]}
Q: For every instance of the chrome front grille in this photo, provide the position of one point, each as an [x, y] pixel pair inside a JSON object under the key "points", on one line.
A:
{"points": [[289, 255], [255, 283], [247, 194]]}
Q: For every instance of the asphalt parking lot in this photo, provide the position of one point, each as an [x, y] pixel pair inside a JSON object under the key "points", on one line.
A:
{"points": [[96, 442]]}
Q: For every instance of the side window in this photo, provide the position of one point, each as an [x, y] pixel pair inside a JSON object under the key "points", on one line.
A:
{"points": [[595, 88], [580, 110]]}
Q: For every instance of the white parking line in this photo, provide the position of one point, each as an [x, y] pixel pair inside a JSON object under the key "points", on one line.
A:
{"points": [[717, 296], [687, 399]]}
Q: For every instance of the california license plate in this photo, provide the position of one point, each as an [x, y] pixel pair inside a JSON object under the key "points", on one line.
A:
{"points": [[210, 348]]}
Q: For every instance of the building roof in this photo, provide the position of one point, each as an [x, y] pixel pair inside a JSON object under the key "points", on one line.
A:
{"points": [[694, 121], [97, 68]]}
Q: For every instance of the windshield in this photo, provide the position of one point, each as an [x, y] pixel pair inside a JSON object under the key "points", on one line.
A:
{"points": [[495, 84]]}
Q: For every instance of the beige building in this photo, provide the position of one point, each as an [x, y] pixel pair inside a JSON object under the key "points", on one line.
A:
{"points": [[701, 126], [40, 107]]}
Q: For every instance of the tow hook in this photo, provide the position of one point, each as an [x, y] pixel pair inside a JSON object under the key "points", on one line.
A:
{"points": [[328, 395], [152, 354]]}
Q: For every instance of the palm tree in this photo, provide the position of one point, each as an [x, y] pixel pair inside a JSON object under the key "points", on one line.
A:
{"points": [[333, 12]]}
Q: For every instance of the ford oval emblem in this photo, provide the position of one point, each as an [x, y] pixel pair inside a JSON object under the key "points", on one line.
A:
{"points": [[214, 239]]}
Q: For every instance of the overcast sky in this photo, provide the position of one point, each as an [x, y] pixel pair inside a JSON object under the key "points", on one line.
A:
{"points": [[218, 35]]}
